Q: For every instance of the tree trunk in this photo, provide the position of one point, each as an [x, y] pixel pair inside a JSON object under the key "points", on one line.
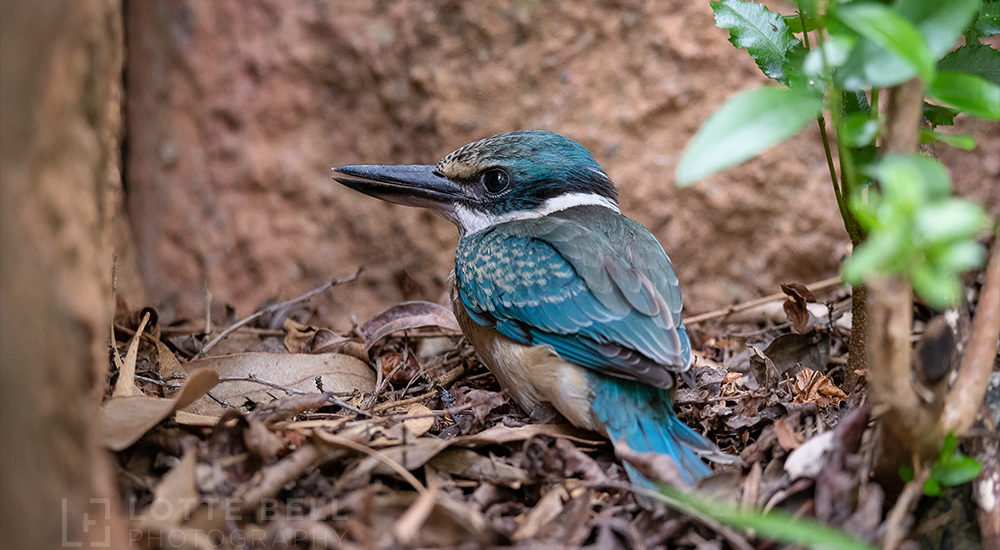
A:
{"points": [[59, 177]]}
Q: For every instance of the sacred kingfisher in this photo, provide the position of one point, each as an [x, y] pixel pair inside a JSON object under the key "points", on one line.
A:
{"points": [[570, 304]]}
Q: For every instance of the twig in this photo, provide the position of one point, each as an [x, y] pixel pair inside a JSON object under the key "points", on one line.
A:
{"points": [[757, 302], [274, 477], [444, 380], [896, 521], [966, 395], [339, 441], [275, 307]]}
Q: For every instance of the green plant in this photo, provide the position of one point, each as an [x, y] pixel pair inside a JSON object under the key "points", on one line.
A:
{"points": [[776, 525], [951, 468], [862, 48], [887, 76]]}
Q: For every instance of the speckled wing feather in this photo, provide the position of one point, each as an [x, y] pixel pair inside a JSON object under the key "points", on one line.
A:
{"points": [[594, 285]]}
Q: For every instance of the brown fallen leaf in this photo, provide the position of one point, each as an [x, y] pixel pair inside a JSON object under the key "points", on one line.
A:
{"points": [[125, 386], [175, 497], [418, 419], [787, 437], [261, 374], [815, 387], [125, 419], [795, 306], [169, 366], [301, 338], [407, 527], [472, 465], [653, 466], [408, 315], [547, 508]]}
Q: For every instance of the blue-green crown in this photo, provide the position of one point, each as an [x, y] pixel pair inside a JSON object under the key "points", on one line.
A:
{"points": [[541, 165]]}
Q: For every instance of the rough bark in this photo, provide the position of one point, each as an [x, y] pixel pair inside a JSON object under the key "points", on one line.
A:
{"points": [[61, 89]]}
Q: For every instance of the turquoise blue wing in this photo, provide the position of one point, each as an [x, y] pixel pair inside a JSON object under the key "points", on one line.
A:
{"points": [[592, 284]]}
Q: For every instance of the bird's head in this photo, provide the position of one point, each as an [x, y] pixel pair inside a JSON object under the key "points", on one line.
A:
{"points": [[523, 174]]}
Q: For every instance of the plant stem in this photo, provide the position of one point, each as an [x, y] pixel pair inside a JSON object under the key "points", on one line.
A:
{"points": [[857, 350], [821, 122]]}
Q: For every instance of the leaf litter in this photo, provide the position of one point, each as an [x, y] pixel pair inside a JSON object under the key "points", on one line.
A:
{"points": [[393, 434]]}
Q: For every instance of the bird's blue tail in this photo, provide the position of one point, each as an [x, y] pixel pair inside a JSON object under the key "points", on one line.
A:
{"points": [[644, 418]]}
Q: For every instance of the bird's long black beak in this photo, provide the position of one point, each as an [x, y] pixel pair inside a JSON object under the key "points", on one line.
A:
{"points": [[409, 184]]}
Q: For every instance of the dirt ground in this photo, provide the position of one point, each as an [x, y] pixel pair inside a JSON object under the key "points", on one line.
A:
{"points": [[237, 109]]}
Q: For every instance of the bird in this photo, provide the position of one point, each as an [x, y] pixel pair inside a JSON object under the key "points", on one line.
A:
{"points": [[574, 307]]}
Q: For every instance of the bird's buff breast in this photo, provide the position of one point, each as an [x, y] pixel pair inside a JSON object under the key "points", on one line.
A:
{"points": [[535, 377]]}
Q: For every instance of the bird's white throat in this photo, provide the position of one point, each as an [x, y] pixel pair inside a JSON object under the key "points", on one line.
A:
{"points": [[470, 220]]}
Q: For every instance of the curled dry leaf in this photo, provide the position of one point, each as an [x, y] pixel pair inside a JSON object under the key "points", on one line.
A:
{"points": [[301, 338], [125, 419], [481, 402], [399, 368], [125, 386], [293, 372], [408, 315], [815, 387]]}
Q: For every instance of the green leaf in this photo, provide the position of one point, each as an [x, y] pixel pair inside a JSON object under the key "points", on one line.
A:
{"points": [[949, 220], [747, 124], [968, 93], [885, 27], [938, 115], [988, 22], [794, 23], [764, 34], [948, 446], [906, 473], [962, 256], [956, 471], [940, 24], [978, 59], [774, 525], [835, 51], [906, 174], [960, 141], [859, 130], [931, 487]]}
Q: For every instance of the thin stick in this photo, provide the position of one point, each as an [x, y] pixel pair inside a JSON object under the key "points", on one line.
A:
{"points": [[966, 396], [729, 310], [339, 441], [275, 307], [896, 521]]}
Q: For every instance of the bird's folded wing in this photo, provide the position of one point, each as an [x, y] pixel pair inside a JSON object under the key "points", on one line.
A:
{"points": [[601, 292]]}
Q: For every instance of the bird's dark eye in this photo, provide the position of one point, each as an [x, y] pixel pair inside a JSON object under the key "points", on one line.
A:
{"points": [[495, 180]]}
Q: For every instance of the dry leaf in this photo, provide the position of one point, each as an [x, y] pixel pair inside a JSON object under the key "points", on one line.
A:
{"points": [[125, 419], [424, 420], [337, 373], [810, 459], [125, 386], [175, 497], [548, 507], [787, 437], [409, 523], [472, 465], [408, 315], [812, 386]]}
